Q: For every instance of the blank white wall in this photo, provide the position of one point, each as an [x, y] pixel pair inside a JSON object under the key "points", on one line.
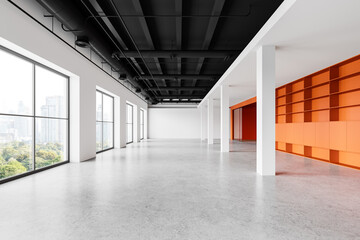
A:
{"points": [[216, 122], [174, 123]]}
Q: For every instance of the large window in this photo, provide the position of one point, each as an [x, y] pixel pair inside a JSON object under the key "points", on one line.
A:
{"points": [[104, 122], [142, 124], [33, 116], [129, 123]]}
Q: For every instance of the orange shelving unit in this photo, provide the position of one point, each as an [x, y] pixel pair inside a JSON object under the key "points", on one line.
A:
{"points": [[318, 116]]}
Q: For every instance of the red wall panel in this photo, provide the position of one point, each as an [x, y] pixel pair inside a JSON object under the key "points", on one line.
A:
{"points": [[249, 122]]}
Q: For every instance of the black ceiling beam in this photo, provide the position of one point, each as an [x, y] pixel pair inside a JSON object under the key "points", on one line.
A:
{"points": [[178, 28], [225, 54], [180, 97], [218, 6], [145, 28], [203, 89], [182, 76], [114, 32], [186, 102]]}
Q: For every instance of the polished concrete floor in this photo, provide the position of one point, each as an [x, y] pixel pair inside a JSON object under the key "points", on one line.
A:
{"points": [[183, 189]]}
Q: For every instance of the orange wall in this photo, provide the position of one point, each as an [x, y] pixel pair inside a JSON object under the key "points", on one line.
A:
{"points": [[318, 116], [249, 122]]}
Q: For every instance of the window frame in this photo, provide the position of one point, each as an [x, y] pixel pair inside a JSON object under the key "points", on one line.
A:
{"points": [[132, 122], [34, 117], [102, 121], [142, 124]]}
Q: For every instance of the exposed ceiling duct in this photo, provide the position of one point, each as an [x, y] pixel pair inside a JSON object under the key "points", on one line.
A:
{"points": [[226, 55], [67, 12]]}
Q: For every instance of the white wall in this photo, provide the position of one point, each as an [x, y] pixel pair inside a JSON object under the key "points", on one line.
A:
{"points": [[174, 122], [18, 28], [216, 121]]}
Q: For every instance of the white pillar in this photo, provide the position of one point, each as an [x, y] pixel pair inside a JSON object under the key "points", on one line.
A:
{"points": [[265, 110], [123, 112], [145, 124], [117, 123], [210, 119], [202, 123], [136, 123], [225, 118]]}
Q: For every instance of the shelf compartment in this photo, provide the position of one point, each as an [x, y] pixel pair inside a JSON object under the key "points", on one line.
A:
{"points": [[281, 146], [281, 110], [281, 119], [349, 98], [320, 116], [320, 91], [299, 96], [298, 85], [320, 103], [307, 151], [349, 159], [297, 118], [349, 113], [298, 149], [349, 67], [281, 91], [320, 153], [281, 100], [320, 77]]}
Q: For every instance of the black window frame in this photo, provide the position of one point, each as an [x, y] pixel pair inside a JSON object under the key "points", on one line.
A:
{"points": [[102, 121], [34, 116], [132, 123], [142, 124]]}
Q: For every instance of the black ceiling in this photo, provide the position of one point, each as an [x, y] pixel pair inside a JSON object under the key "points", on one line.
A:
{"points": [[170, 50]]}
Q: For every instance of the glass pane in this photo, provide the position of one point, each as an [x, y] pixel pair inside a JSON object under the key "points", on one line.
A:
{"points": [[98, 106], [108, 108], [107, 135], [16, 154], [129, 133], [51, 142], [16, 80], [141, 131], [51, 97], [141, 117], [129, 114], [98, 136]]}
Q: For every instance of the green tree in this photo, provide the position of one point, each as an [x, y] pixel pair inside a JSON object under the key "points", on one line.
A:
{"points": [[2, 160], [12, 168], [40, 162], [8, 152], [24, 159], [46, 154]]}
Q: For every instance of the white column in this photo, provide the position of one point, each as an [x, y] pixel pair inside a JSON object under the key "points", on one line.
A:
{"points": [[265, 110], [123, 112], [225, 118], [202, 123], [210, 119], [136, 123], [146, 124], [117, 123]]}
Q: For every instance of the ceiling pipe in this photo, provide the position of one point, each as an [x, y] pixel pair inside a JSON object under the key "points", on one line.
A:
{"points": [[203, 89], [181, 97], [73, 19], [181, 76], [226, 55]]}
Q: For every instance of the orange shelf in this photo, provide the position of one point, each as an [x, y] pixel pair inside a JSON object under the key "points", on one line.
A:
{"points": [[322, 109]]}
